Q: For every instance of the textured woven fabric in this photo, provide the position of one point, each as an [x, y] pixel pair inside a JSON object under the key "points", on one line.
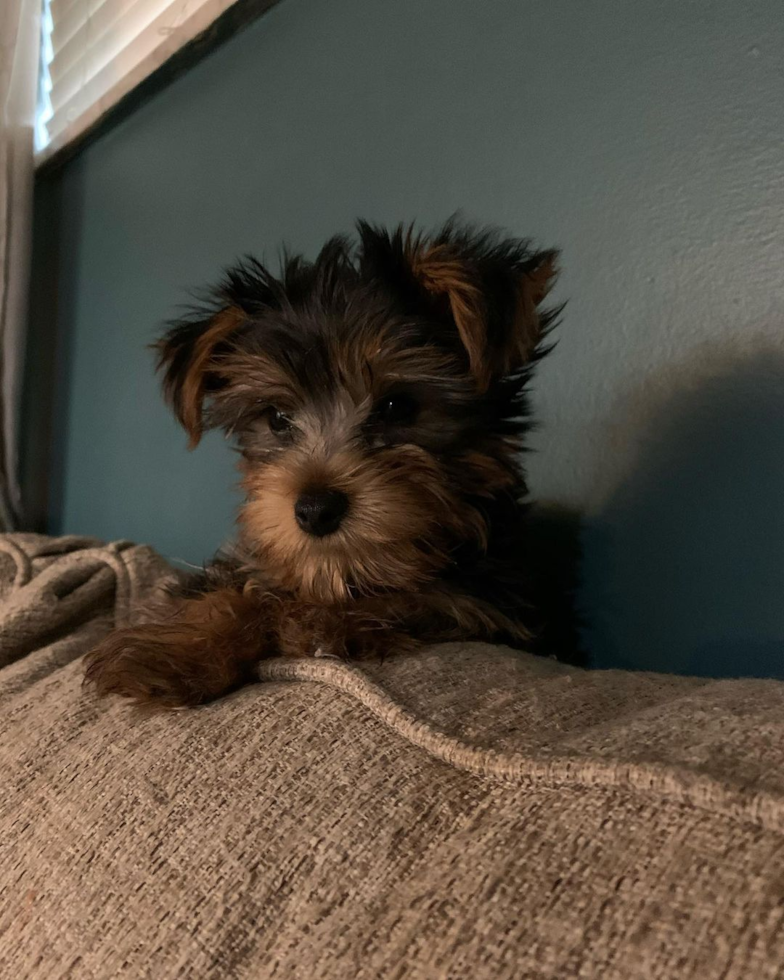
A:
{"points": [[471, 812]]}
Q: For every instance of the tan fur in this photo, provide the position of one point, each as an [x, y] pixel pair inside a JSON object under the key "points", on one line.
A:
{"points": [[486, 475], [534, 287], [444, 273], [398, 503], [260, 375], [198, 650], [539, 281], [207, 646], [222, 327]]}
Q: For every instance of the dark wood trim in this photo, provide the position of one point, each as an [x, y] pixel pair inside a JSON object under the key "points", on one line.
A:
{"points": [[234, 19]]}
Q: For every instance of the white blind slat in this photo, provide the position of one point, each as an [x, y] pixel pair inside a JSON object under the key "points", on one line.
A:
{"points": [[71, 20], [59, 7], [73, 97], [99, 41], [98, 50]]}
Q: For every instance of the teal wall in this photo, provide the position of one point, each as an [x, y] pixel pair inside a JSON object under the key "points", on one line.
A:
{"points": [[646, 140]]}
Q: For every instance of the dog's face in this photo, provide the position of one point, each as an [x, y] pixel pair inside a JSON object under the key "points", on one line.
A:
{"points": [[376, 396]]}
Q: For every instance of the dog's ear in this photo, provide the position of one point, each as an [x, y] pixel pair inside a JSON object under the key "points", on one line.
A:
{"points": [[189, 354], [187, 357], [494, 289], [489, 288]]}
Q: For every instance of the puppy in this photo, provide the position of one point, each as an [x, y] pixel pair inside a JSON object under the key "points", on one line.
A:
{"points": [[377, 397]]}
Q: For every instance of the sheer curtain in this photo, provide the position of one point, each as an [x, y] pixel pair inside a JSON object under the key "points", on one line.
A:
{"points": [[19, 54]]}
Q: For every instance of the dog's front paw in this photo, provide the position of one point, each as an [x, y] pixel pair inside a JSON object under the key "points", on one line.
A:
{"points": [[156, 668]]}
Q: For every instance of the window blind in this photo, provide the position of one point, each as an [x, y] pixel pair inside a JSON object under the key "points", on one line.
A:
{"points": [[96, 51]]}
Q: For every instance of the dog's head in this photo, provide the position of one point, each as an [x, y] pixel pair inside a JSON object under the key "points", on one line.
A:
{"points": [[376, 395]]}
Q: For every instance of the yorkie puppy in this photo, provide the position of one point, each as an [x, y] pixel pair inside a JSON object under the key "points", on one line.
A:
{"points": [[378, 400]]}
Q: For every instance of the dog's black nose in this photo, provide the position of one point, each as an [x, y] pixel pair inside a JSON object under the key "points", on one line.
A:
{"points": [[319, 512]]}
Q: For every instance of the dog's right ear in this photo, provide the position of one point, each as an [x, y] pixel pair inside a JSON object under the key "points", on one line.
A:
{"points": [[189, 354]]}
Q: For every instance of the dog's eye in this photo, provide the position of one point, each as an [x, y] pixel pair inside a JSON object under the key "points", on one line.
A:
{"points": [[398, 409], [278, 422]]}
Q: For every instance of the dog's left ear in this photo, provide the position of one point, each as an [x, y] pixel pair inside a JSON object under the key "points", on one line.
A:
{"points": [[489, 288], [493, 301]]}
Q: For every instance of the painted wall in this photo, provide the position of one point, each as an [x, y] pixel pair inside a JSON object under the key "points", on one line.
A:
{"points": [[646, 140]]}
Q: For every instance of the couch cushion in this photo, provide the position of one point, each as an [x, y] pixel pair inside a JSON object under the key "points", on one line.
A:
{"points": [[469, 812]]}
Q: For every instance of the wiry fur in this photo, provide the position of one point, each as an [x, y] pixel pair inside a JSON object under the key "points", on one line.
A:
{"points": [[447, 327]]}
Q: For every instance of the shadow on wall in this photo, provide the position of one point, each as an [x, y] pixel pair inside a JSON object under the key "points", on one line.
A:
{"points": [[683, 562]]}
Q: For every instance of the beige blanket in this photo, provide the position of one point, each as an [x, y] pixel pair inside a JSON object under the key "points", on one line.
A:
{"points": [[468, 813]]}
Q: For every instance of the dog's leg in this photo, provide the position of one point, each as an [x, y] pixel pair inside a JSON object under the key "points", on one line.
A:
{"points": [[401, 622], [205, 647]]}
